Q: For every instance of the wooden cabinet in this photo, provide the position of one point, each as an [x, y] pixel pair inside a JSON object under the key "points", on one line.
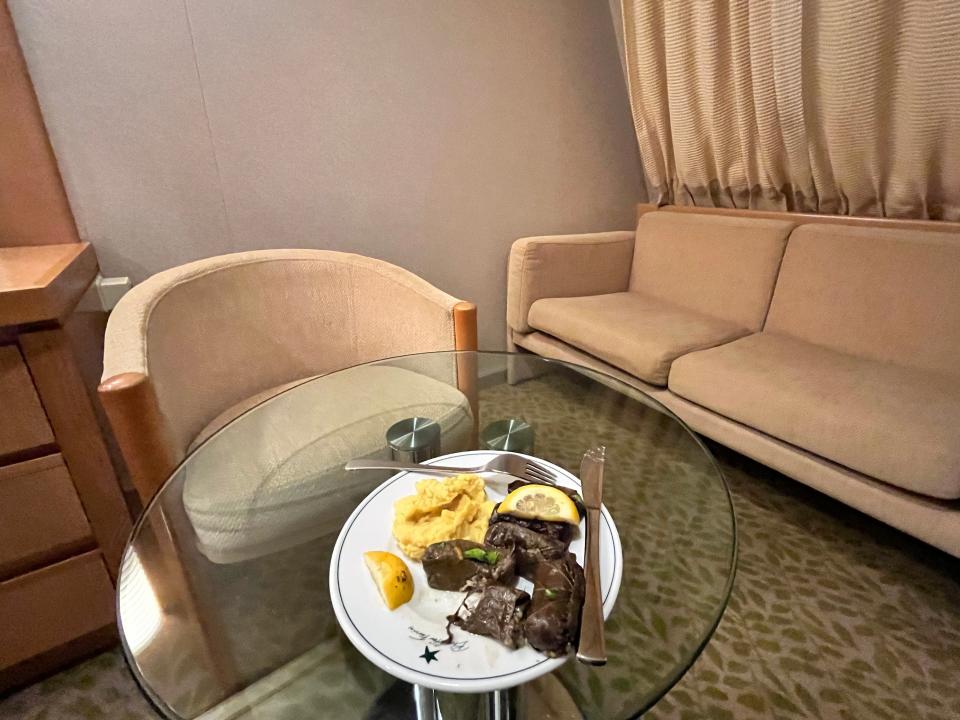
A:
{"points": [[41, 517], [54, 610], [63, 519], [23, 425]]}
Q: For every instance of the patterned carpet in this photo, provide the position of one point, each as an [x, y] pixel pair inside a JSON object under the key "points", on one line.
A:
{"points": [[833, 616]]}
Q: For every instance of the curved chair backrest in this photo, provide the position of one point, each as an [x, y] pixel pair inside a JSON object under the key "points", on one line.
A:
{"points": [[190, 342]]}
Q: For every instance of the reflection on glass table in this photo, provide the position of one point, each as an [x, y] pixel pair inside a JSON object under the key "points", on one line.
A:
{"points": [[223, 594]]}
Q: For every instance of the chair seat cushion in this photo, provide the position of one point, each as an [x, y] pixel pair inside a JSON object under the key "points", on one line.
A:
{"points": [[633, 332], [276, 478], [897, 424], [235, 411]]}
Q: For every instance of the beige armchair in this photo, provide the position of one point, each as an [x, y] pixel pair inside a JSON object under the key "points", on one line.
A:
{"points": [[192, 347]]}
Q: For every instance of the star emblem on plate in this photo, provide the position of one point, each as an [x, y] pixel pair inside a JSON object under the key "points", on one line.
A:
{"points": [[429, 655]]}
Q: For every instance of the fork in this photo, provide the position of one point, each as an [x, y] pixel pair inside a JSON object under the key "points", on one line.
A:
{"points": [[504, 463]]}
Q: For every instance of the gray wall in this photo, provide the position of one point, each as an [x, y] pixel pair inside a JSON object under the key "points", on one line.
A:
{"points": [[430, 133]]}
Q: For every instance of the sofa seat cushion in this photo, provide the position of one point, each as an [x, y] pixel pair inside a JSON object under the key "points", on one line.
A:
{"points": [[276, 479], [636, 333], [897, 424]]}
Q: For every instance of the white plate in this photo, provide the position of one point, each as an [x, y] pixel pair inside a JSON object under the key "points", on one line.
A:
{"points": [[406, 642]]}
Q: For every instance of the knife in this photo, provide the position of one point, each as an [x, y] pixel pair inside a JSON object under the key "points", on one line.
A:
{"points": [[592, 649]]}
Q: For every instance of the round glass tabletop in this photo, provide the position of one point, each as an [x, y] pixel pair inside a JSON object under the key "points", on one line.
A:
{"points": [[223, 597]]}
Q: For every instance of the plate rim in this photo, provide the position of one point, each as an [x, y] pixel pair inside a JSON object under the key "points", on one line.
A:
{"points": [[441, 682]]}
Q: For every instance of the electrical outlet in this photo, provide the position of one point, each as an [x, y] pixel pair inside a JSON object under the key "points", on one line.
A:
{"points": [[111, 289]]}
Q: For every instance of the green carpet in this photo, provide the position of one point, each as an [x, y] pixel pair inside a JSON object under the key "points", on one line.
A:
{"points": [[832, 616]]}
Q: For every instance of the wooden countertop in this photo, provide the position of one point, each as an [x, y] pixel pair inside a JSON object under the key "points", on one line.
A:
{"points": [[43, 282]]}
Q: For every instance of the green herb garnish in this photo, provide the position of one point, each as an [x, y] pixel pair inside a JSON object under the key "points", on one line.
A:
{"points": [[551, 594], [490, 557]]}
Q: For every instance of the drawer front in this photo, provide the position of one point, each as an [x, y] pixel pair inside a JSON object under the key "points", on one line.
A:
{"points": [[23, 424], [48, 608], [41, 518]]}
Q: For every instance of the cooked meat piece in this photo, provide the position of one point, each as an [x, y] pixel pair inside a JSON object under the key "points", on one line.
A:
{"points": [[498, 614], [449, 568], [531, 547], [557, 530], [445, 565], [553, 623]]}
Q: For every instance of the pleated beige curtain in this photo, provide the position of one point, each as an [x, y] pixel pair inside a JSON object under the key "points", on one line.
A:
{"points": [[830, 106]]}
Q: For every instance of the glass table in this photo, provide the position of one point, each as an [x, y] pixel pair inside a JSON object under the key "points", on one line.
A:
{"points": [[223, 599]]}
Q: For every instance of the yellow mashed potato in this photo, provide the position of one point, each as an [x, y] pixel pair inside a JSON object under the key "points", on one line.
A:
{"points": [[450, 509]]}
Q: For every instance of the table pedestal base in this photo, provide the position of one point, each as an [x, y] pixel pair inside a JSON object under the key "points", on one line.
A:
{"points": [[543, 699]]}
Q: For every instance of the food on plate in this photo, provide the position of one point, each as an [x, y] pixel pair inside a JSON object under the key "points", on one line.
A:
{"points": [[465, 565], [553, 618], [450, 509], [392, 577], [559, 531], [540, 502], [498, 613], [531, 547], [467, 545], [569, 492]]}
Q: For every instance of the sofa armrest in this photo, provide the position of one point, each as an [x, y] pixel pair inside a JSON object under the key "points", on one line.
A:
{"points": [[565, 266]]}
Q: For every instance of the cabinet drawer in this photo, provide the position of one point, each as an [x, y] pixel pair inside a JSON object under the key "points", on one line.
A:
{"points": [[48, 608], [23, 424], [41, 518]]}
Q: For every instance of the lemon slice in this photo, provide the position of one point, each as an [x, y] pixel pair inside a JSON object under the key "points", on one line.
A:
{"points": [[392, 577], [540, 502]]}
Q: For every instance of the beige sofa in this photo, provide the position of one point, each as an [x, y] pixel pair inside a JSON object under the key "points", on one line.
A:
{"points": [[828, 349]]}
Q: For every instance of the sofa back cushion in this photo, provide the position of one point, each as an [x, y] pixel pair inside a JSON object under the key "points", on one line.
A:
{"points": [[887, 294], [724, 267]]}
